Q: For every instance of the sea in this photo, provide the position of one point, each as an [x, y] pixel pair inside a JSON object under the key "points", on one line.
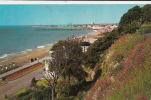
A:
{"points": [[17, 39]]}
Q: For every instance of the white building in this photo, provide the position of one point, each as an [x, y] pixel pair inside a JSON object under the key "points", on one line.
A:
{"points": [[48, 74]]}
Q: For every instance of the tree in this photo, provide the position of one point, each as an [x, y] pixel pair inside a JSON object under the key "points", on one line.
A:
{"points": [[98, 47], [146, 13], [33, 82], [130, 16], [66, 56], [131, 28], [63, 89], [76, 55]]}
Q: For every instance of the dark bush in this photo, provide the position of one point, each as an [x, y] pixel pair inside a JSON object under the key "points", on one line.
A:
{"points": [[84, 43], [97, 74], [77, 87], [25, 95], [33, 82], [98, 47], [67, 98], [44, 94]]}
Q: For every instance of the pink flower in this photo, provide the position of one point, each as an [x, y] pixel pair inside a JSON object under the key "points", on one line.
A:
{"points": [[140, 96], [126, 94]]}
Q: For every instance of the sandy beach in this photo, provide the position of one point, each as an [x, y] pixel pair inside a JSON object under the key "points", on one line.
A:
{"points": [[23, 58], [92, 36]]}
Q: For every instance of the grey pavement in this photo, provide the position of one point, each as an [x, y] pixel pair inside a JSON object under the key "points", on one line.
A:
{"points": [[22, 67], [22, 82]]}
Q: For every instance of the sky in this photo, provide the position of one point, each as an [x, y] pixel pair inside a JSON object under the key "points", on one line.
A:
{"points": [[62, 14]]}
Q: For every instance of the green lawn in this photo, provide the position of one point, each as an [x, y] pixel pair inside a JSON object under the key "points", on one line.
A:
{"points": [[17, 93], [42, 83]]}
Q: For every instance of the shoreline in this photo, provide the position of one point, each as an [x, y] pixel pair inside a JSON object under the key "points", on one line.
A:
{"points": [[22, 58], [91, 37]]}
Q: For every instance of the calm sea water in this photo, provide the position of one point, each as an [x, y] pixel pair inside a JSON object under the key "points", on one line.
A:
{"points": [[24, 38]]}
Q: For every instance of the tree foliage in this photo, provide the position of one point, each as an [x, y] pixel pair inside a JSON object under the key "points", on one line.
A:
{"points": [[132, 20], [98, 47], [66, 61], [131, 28], [72, 52], [146, 13], [33, 83], [63, 88], [44, 94], [130, 16]]}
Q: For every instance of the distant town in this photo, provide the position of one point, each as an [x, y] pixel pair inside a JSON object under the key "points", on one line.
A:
{"points": [[101, 27]]}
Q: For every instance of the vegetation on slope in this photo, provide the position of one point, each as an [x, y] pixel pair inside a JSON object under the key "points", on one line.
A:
{"points": [[126, 65], [125, 71], [98, 47]]}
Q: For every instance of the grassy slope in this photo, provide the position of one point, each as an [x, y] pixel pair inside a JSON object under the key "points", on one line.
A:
{"points": [[126, 71], [15, 94], [42, 83]]}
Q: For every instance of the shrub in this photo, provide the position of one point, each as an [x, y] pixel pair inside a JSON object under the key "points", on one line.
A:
{"points": [[75, 88], [98, 47], [33, 82], [25, 95], [97, 74], [131, 28], [63, 89], [44, 94]]}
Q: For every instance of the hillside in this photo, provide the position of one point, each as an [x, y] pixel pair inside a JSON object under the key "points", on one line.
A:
{"points": [[126, 70]]}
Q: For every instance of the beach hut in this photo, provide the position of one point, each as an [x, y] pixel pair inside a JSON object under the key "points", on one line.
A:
{"points": [[1, 69], [14, 64], [10, 66], [6, 67]]}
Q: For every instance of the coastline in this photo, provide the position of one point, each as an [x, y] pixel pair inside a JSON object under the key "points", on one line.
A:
{"points": [[91, 37], [23, 58]]}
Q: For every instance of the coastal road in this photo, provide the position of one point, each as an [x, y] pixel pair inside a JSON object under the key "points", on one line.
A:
{"points": [[22, 82]]}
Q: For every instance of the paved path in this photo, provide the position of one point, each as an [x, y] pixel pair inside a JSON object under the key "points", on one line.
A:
{"points": [[22, 67], [15, 85]]}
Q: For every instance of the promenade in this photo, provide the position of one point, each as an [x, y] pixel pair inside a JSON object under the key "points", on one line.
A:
{"points": [[22, 82], [22, 67]]}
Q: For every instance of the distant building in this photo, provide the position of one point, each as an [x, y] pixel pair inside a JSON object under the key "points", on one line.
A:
{"points": [[97, 26], [85, 45], [90, 26]]}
